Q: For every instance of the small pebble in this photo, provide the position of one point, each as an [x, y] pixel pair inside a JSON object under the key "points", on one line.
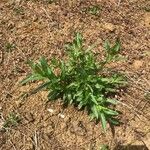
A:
{"points": [[61, 116], [50, 110]]}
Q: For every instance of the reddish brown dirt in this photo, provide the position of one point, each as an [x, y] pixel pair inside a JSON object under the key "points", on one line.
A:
{"points": [[35, 28]]}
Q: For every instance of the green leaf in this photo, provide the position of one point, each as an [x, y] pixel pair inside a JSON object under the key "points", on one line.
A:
{"points": [[107, 80], [95, 111], [79, 40], [38, 70], [32, 77], [104, 147], [110, 112], [63, 69], [53, 95], [91, 89], [107, 46], [79, 99], [42, 86], [103, 120], [69, 96], [92, 116], [110, 89], [114, 121], [73, 84], [78, 94], [116, 47], [99, 86], [101, 99], [71, 101], [93, 99], [31, 64], [54, 62], [112, 101], [80, 105], [44, 66]]}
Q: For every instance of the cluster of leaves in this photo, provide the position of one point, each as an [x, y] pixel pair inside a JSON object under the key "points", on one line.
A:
{"points": [[9, 47], [11, 120], [147, 9], [80, 80], [104, 147], [93, 10], [147, 95], [19, 10]]}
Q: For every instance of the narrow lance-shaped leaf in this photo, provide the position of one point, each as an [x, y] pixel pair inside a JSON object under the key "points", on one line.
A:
{"points": [[95, 111], [32, 77], [103, 120], [31, 64], [114, 121], [53, 95], [38, 69], [79, 40], [93, 99], [107, 45], [42, 86], [63, 69], [80, 105], [116, 47], [110, 112], [112, 101], [44, 66]]}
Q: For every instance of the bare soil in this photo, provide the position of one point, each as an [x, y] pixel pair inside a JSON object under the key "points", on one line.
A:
{"points": [[30, 29]]}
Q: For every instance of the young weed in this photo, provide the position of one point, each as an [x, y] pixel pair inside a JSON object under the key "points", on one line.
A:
{"points": [[11, 120], [104, 147], [147, 9], [93, 10], [9, 47], [18, 10], [80, 80], [147, 96]]}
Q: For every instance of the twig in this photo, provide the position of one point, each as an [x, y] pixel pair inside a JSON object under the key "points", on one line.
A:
{"points": [[36, 141]]}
